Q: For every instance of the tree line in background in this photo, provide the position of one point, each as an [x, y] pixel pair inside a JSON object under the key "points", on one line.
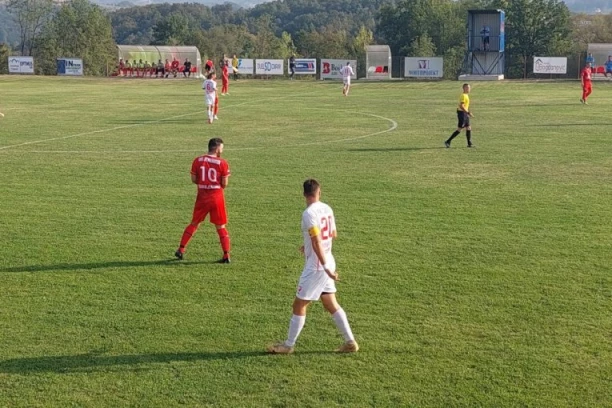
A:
{"points": [[310, 28]]}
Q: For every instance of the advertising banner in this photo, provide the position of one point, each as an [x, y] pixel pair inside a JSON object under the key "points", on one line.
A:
{"points": [[246, 66], [304, 66], [330, 68], [269, 67], [21, 65], [424, 67], [70, 66], [549, 65]]}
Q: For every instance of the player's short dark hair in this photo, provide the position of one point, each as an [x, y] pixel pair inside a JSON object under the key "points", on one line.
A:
{"points": [[214, 143], [466, 84], [348, 63], [310, 187]]}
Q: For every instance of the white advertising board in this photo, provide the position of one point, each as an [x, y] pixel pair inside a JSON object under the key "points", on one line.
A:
{"points": [[424, 67], [21, 65], [550, 65], [246, 66], [304, 66], [269, 67], [330, 68]]}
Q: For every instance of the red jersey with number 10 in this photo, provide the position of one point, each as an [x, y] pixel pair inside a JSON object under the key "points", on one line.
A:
{"points": [[586, 75], [208, 171]]}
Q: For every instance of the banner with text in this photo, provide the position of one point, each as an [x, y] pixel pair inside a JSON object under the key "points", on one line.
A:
{"points": [[246, 66], [70, 66], [330, 68], [550, 65], [304, 66], [21, 65], [269, 67], [424, 67]]}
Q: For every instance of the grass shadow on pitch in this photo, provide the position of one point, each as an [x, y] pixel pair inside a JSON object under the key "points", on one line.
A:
{"points": [[99, 265], [93, 361], [393, 149]]}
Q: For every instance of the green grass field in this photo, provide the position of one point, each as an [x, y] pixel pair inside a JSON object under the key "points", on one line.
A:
{"points": [[471, 277]]}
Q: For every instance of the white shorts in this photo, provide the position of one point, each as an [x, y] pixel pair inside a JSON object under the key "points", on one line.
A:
{"points": [[314, 283], [210, 100], [347, 81]]}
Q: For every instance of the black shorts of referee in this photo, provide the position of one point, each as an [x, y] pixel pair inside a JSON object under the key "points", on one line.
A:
{"points": [[463, 119]]}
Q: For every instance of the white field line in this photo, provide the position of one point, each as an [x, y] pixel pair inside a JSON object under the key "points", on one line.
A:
{"points": [[229, 149], [93, 132]]}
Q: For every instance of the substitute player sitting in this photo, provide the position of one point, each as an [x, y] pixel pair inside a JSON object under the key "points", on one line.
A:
{"points": [[319, 274], [347, 73], [210, 96], [211, 174], [608, 66]]}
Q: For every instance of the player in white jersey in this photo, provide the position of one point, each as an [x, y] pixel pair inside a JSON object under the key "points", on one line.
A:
{"points": [[347, 73], [210, 95], [319, 274]]}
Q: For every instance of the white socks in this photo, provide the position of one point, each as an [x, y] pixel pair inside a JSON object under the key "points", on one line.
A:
{"points": [[343, 325], [295, 327]]}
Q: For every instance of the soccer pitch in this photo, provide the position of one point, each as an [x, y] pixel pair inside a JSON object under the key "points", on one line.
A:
{"points": [[471, 277]]}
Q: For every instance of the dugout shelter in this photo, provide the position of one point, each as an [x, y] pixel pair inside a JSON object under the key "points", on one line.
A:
{"points": [[154, 53], [600, 52], [378, 62]]}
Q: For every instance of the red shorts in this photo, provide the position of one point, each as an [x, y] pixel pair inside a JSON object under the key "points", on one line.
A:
{"points": [[587, 86], [213, 204]]}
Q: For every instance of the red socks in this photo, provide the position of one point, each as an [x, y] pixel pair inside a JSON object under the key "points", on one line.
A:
{"points": [[224, 239], [189, 232]]}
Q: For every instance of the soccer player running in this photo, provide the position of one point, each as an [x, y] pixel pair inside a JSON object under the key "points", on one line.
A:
{"points": [[210, 96], [292, 67], [347, 73], [211, 174], [587, 86], [319, 274], [463, 116]]}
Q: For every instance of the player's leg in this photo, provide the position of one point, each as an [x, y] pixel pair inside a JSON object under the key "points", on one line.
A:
{"points": [[348, 88], [296, 324], [218, 217], [199, 214], [468, 135], [339, 316], [216, 107], [460, 126]]}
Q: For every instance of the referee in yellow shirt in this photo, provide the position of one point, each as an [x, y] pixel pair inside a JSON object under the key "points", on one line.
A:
{"points": [[463, 115]]}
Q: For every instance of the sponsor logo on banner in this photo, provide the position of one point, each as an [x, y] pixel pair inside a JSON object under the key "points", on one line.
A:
{"points": [[549, 65], [70, 66], [424, 67], [21, 65], [269, 67], [305, 66], [330, 68], [246, 66]]}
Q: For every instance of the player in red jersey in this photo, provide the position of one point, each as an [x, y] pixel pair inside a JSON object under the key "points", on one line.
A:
{"points": [[585, 79], [225, 80], [211, 174], [175, 66]]}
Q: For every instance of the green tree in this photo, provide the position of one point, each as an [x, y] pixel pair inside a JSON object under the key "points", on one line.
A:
{"points": [[422, 46], [172, 30], [363, 38], [80, 29], [31, 16], [5, 51]]}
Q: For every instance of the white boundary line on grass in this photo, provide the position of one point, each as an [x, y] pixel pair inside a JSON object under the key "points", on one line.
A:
{"points": [[150, 122], [393, 126]]}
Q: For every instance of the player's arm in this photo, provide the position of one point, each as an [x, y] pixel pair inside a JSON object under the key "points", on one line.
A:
{"points": [[462, 107], [194, 178], [315, 239], [224, 181]]}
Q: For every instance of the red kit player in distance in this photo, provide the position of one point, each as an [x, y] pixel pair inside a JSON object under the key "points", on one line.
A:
{"points": [[211, 174]]}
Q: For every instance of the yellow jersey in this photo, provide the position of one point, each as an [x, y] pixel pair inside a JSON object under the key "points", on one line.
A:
{"points": [[465, 100]]}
